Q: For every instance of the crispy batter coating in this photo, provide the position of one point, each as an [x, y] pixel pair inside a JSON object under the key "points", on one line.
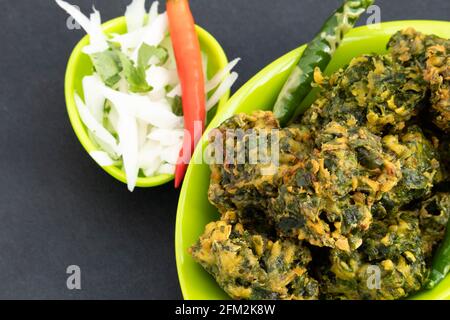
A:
{"points": [[389, 265], [420, 167], [391, 237], [352, 277], [361, 185], [408, 47], [399, 246], [246, 186], [433, 218], [322, 202], [373, 91], [249, 266], [431, 55], [437, 74], [325, 197]]}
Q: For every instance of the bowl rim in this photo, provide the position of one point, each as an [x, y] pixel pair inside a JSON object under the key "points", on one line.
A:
{"points": [[235, 100], [79, 128]]}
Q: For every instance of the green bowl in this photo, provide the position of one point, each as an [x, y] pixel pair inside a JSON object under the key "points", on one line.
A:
{"points": [[260, 93], [80, 65]]}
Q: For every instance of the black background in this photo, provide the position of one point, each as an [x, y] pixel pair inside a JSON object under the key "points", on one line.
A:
{"points": [[57, 208]]}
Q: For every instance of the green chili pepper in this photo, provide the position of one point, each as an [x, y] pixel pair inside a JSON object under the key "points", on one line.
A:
{"points": [[441, 262], [317, 54]]}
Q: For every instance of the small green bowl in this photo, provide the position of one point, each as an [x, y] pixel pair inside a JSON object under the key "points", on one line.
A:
{"points": [[80, 65], [260, 93]]}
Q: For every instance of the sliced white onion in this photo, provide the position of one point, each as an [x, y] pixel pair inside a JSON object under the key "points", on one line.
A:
{"points": [[152, 34], [166, 169], [94, 98], [153, 12], [149, 154], [173, 77], [156, 31], [157, 115], [97, 37], [123, 85], [171, 153], [113, 119], [128, 137], [166, 137], [149, 157], [158, 77], [171, 62], [135, 15], [96, 128], [154, 113], [176, 91], [156, 95], [218, 78], [79, 17], [205, 66], [221, 90], [102, 158], [104, 146], [129, 41], [91, 26], [164, 103], [142, 132], [151, 169]]}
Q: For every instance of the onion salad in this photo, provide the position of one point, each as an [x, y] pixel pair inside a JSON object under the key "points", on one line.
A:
{"points": [[132, 102]]}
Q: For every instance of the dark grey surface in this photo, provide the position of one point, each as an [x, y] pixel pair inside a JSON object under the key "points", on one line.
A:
{"points": [[57, 208]]}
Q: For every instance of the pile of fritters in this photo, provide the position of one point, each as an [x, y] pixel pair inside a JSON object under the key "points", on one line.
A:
{"points": [[360, 189]]}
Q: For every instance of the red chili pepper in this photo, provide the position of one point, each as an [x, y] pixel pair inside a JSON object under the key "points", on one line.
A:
{"points": [[190, 71]]}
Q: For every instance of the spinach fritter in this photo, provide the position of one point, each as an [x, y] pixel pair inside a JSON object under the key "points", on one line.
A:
{"points": [[433, 215], [430, 55], [393, 236], [420, 167], [249, 266], [361, 188], [321, 202], [239, 184], [373, 91], [437, 74], [351, 276], [398, 246], [393, 249]]}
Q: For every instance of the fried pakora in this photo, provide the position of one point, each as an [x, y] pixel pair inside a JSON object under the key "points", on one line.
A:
{"points": [[246, 186], [431, 55], [433, 215], [352, 277], [398, 248], [437, 74], [357, 200], [250, 266], [373, 91], [420, 167]]}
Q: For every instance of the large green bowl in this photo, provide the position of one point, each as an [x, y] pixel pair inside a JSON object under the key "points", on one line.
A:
{"points": [[80, 65], [194, 210]]}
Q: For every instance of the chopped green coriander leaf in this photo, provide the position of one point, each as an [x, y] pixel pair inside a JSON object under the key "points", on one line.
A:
{"points": [[107, 66], [177, 106], [146, 52], [134, 76]]}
